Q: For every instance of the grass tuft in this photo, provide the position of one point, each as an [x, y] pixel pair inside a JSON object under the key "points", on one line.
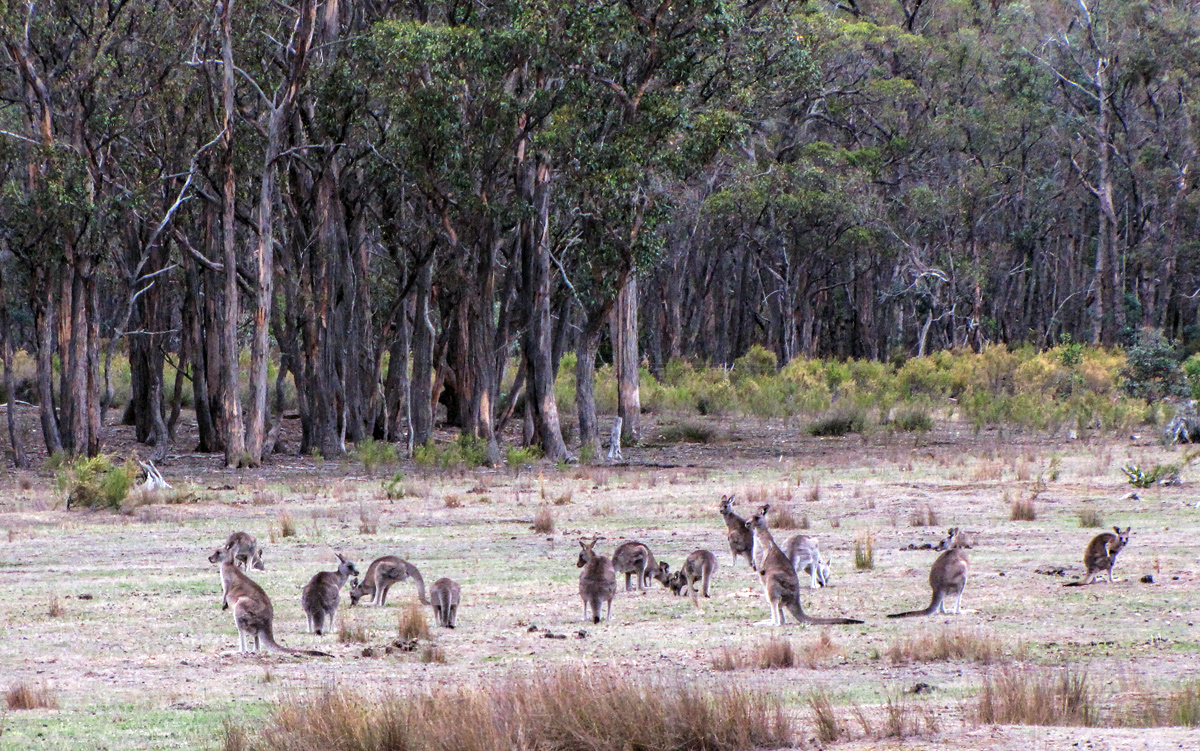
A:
{"points": [[1028, 695], [838, 423], [56, 609], [946, 644], [1022, 510], [287, 525], [368, 520], [412, 622], [24, 696], [864, 552], [350, 631], [925, 517], [599, 709], [543, 521], [687, 431], [824, 717], [780, 517], [1091, 518]]}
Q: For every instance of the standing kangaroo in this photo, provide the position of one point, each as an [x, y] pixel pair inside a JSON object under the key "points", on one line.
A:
{"points": [[381, 575], [445, 595], [635, 558], [252, 611], [805, 554], [947, 576], [247, 554], [323, 592], [780, 583], [597, 581], [741, 539], [1101, 555]]}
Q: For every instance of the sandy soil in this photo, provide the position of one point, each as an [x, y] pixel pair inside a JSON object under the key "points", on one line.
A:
{"points": [[140, 654]]}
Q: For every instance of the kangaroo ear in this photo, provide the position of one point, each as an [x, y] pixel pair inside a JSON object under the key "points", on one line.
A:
{"points": [[1117, 530], [582, 544]]}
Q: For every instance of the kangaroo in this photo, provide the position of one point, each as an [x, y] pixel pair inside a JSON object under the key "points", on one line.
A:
{"points": [[252, 611], [741, 539], [445, 595], [635, 558], [780, 583], [247, 553], [805, 555], [1101, 555], [947, 576], [381, 575], [597, 581], [955, 538], [699, 567], [322, 593]]}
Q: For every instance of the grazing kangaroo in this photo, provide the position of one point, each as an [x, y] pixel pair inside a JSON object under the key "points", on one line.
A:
{"points": [[1101, 555], [780, 583], [247, 553], [381, 575], [252, 611], [947, 576], [635, 558], [445, 595], [699, 567], [741, 539], [323, 592], [597, 581], [805, 555]]}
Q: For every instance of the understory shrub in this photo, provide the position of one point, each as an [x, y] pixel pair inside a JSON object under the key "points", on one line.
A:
{"points": [[95, 481]]}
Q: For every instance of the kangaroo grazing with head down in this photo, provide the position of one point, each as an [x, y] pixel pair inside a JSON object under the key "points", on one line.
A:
{"points": [[597, 581], [632, 558], [247, 554], [947, 576], [445, 595], [323, 592], [252, 611], [699, 567], [381, 575], [780, 583], [1101, 555], [804, 552], [741, 539]]}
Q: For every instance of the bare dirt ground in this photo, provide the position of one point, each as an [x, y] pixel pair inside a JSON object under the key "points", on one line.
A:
{"points": [[141, 656]]}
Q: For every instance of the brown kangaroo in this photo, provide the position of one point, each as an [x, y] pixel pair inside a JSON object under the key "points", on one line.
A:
{"points": [[741, 539], [947, 576], [445, 595], [699, 567], [323, 592], [1101, 555], [252, 611], [381, 575], [597, 581], [247, 553], [632, 558], [780, 583]]}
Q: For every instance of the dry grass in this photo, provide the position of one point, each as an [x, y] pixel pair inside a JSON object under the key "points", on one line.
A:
{"points": [[350, 631], [452, 501], [988, 470], [55, 609], [543, 521], [903, 720], [1179, 708], [946, 644], [1091, 518], [820, 653], [781, 517], [824, 717], [814, 493], [1027, 695], [412, 621], [771, 653], [864, 552], [925, 517], [597, 709], [565, 498], [287, 525], [368, 520], [432, 653], [24, 696], [1022, 510]]}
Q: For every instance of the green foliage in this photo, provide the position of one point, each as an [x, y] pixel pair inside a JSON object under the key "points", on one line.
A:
{"points": [[1159, 474], [95, 482], [393, 487], [1191, 371], [465, 452], [687, 431], [759, 361], [912, 420], [518, 457], [373, 453], [1152, 368], [838, 423]]}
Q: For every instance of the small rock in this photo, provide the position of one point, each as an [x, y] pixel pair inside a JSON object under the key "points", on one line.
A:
{"points": [[406, 645], [1147, 579], [531, 628], [580, 634], [84, 597], [548, 635], [921, 688], [368, 652]]}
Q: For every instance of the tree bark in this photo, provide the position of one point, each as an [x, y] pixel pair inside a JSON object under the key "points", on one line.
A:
{"points": [[20, 460], [235, 439], [626, 361], [421, 403], [44, 325]]}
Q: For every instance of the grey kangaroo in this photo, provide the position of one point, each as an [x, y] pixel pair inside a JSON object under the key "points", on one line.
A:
{"points": [[597, 580], [381, 575], [741, 539], [246, 551], [445, 595], [699, 567], [252, 611], [780, 583], [1101, 555], [634, 558], [947, 576], [323, 592], [805, 554]]}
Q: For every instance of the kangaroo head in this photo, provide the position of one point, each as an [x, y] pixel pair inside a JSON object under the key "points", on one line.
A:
{"points": [[346, 567], [217, 556], [726, 504], [257, 561], [586, 554], [356, 591], [1122, 537], [759, 520], [663, 574]]}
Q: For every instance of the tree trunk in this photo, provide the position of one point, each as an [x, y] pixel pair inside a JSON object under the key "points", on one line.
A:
{"points": [[44, 325], [421, 397], [20, 460], [626, 361], [396, 387], [585, 380], [235, 439]]}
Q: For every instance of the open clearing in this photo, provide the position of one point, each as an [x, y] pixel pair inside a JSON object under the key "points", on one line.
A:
{"points": [[140, 654]]}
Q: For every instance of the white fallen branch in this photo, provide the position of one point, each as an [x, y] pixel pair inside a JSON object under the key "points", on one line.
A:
{"points": [[614, 441], [154, 478]]}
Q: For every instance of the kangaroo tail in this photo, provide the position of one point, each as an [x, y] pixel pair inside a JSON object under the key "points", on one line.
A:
{"points": [[268, 638], [798, 613], [319, 622], [416, 575], [1073, 584], [933, 606]]}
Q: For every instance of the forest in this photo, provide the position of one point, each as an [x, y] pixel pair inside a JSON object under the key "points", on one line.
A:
{"points": [[358, 211]]}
